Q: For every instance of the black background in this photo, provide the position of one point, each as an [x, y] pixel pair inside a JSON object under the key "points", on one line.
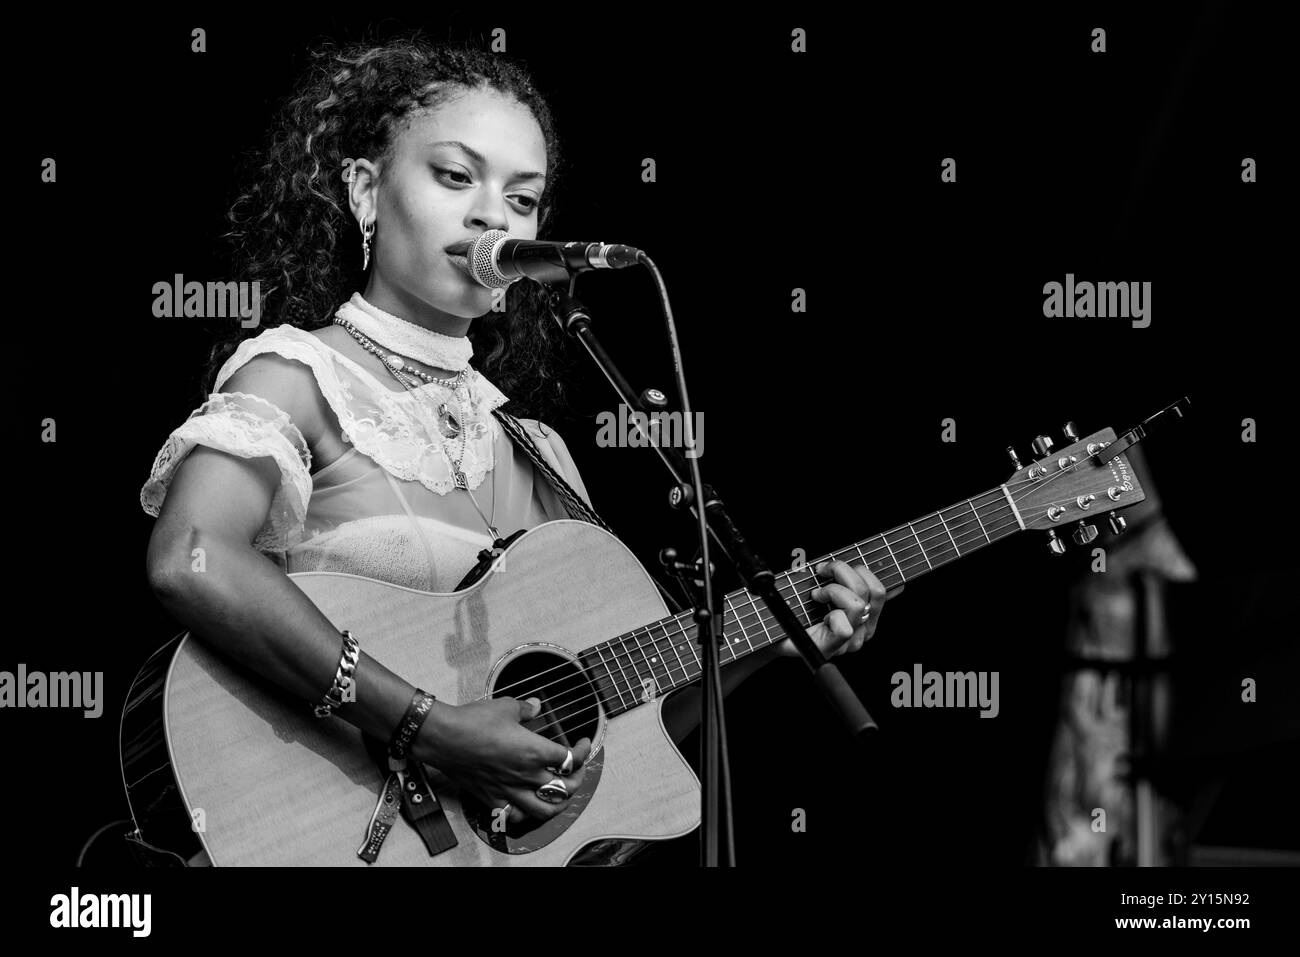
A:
{"points": [[775, 171]]}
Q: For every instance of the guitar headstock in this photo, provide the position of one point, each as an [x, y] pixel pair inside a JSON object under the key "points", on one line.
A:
{"points": [[1070, 487]]}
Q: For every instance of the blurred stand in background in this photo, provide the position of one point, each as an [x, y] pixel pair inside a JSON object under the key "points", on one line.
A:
{"points": [[1115, 695], [1178, 731]]}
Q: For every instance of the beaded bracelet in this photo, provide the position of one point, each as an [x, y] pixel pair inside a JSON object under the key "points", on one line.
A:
{"points": [[344, 678]]}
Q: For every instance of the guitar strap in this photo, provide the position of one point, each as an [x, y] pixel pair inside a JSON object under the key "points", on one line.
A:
{"points": [[573, 503]]}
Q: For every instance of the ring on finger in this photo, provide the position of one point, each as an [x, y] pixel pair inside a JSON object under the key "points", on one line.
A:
{"points": [[566, 766], [866, 613], [553, 791]]}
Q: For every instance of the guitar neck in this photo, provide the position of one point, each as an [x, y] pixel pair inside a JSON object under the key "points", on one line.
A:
{"points": [[650, 661]]}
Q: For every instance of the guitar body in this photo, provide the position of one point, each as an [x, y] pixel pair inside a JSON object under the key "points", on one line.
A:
{"points": [[269, 784]]}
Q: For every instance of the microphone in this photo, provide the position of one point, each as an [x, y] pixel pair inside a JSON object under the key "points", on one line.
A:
{"points": [[496, 260]]}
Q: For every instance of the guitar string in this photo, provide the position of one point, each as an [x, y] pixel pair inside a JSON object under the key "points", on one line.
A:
{"points": [[742, 619], [559, 717], [635, 694], [628, 653], [739, 619]]}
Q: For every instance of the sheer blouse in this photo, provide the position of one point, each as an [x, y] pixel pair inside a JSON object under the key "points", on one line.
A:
{"points": [[388, 507]]}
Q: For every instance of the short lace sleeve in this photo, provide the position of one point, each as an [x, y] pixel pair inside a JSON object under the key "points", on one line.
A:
{"points": [[250, 427]]}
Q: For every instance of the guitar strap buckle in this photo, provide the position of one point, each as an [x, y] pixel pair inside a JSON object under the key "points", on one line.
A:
{"points": [[486, 559], [422, 810]]}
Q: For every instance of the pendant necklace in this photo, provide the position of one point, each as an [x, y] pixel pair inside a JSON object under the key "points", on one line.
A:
{"points": [[449, 425]]}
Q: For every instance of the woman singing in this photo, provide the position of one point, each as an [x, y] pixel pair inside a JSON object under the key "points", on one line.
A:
{"points": [[354, 432]]}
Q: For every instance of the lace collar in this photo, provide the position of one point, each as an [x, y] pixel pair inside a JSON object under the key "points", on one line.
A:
{"points": [[396, 429]]}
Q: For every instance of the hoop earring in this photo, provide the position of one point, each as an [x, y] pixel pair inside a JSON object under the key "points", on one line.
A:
{"points": [[367, 236]]}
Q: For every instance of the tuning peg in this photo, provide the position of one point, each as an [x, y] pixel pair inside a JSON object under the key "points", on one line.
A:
{"points": [[1015, 459], [1071, 432], [1117, 522], [1042, 445], [1085, 533], [1056, 546]]}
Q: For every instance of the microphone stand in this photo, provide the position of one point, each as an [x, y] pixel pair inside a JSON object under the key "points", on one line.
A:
{"points": [[716, 527]]}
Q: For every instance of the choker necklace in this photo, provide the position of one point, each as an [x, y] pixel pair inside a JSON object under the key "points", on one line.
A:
{"points": [[407, 338]]}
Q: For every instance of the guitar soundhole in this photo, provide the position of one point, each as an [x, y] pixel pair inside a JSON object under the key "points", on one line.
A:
{"points": [[570, 712]]}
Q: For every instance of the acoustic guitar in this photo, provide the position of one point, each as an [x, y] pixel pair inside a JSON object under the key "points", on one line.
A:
{"points": [[218, 759]]}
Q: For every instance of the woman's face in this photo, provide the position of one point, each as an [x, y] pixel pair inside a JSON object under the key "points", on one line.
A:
{"points": [[475, 163]]}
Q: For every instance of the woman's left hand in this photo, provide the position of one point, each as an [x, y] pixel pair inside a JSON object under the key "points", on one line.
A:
{"points": [[849, 590]]}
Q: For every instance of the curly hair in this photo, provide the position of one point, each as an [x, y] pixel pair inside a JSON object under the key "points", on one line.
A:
{"points": [[287, 226]]}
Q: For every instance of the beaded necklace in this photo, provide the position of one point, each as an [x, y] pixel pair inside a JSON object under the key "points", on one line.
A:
{"points": [[448, 425]]}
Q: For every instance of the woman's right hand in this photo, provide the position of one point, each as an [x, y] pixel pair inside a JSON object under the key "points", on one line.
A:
{"points": [[483, 747]]}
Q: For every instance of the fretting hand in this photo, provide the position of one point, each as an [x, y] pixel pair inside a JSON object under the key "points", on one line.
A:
{"points": [[851, 590]]}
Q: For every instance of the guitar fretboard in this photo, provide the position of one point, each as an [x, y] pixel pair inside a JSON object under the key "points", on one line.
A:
{"points": [[655, 659]]}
